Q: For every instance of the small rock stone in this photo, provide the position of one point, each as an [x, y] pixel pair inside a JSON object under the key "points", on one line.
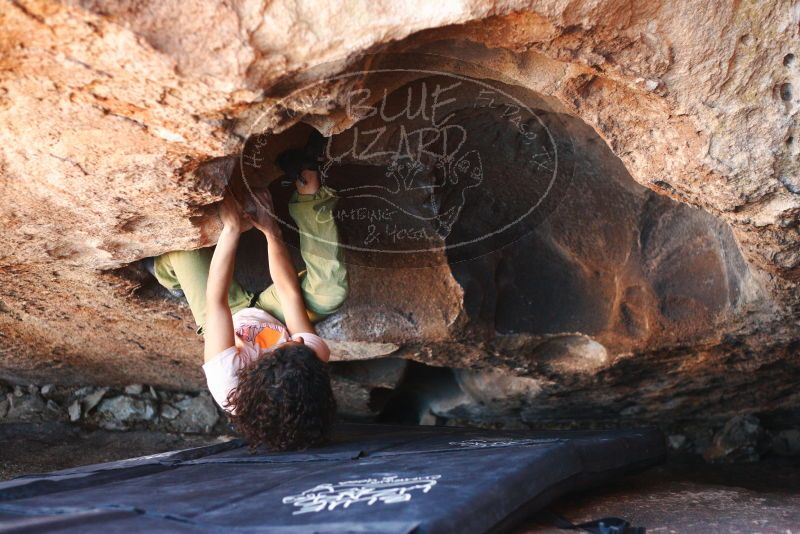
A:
{"points": [[428, 419], [82, 392], [74, 411], [18, 391], [677, 442], [33, 389], [134, 389], [118, 412], [571, 355], [29, 407], [651, 85], [495, 387], [698, 437], [113, 424], [47, 389], [153, 393], [53, 406], [631, 411], [352, 398], [197, 415], [737, 441], [168, 411], [91, 400]]}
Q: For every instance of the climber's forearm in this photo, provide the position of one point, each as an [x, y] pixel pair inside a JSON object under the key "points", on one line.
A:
{"points": [[220, 273], [218, 330], [284, 276]]}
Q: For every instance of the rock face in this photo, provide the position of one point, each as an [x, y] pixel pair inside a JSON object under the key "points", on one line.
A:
{"points": [[657, 278]]}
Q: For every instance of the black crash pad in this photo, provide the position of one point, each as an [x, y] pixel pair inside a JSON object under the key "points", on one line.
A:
{"points": [[372, 478]]}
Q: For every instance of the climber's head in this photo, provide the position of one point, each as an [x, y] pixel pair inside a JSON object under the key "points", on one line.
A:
{"points": [[284, 399], [296, 160]]}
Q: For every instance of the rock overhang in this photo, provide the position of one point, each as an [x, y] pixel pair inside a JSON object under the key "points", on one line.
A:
{"points": [[631, 90]]}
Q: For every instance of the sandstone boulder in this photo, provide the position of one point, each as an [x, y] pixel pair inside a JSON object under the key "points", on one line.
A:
{"points": [[657, 279]]}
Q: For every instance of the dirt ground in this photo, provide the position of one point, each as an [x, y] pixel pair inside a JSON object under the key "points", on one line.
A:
{"points": [[689, 497], [41, 447]]}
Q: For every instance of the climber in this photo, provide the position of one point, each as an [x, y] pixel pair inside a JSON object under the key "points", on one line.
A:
{"points": [[264, 363]]}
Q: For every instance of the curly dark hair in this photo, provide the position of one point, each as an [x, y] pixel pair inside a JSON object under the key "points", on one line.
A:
{"points": [[284, 400], [295, 160]]}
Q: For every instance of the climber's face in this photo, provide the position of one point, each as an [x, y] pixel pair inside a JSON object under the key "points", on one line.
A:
{"points": [[310, 182]]}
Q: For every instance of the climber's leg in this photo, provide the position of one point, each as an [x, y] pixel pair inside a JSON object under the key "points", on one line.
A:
{"points": [[324, 282], [188, 270]]}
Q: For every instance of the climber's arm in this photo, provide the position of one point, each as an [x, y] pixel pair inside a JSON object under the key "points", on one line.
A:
{"points": [[218, 329], [281, 269], [287, 284]]}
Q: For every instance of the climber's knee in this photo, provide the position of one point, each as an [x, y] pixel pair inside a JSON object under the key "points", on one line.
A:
{"points": [[329, 301]]}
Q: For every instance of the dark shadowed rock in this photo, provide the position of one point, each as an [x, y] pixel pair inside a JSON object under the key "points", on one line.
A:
{"points": [[362, 387], [737, 441], [787, 442], [26, 407], [678, 442]]}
